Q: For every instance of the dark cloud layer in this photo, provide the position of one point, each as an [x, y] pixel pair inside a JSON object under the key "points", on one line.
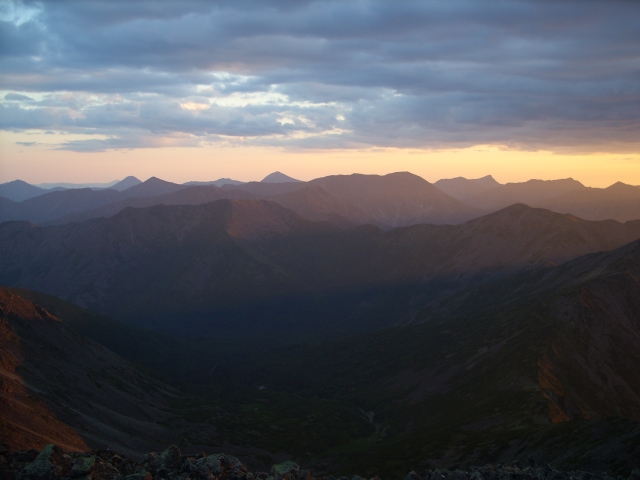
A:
{"points": [[560, 75]]}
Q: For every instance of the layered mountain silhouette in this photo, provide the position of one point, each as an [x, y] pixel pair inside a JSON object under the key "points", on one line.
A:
{"points": [[17, 191], [619, 201], [193, 195], [315, 203], [388, 201], [215, 265], [539, 360], [51, 206], [509, 370], [218, 183], [365, 321], [531, 193], [151, 188], [462, 188], [397, 199]]}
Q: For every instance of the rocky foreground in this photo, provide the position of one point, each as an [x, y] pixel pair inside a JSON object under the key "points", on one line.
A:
{"points": [[52, 463]]}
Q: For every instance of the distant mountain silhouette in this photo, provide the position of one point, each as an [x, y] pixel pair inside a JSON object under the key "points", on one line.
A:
{"points": [[532, 193], [192, 195], [388, 201], [51, 206], [218, 183], [267, 189], [397, 199], [151, 188], [278, 177], [461, 188], [315, 203], [18, 190], [619, 201], [215, 265], [69, 185], [44, 208], [126, 183]]}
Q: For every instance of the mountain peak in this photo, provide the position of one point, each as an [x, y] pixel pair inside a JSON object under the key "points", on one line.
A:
{"points": [[619, 186], [19, 190], [278, 177], [462, 188], [487, 180], [18, 182], [151, 187], [125, 183]]}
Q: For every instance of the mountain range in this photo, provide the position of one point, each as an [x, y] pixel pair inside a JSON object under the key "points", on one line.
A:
{"points": [[388, 201], [350, 323], [535, 367], [217, 264]]}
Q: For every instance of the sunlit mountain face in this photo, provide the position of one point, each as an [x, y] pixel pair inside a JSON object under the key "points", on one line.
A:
{"points": [[319, 239]]}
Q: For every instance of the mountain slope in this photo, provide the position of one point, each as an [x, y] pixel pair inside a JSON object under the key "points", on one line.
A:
{"points": [[60, 386], [315, 203], [254, 266], [193, 195], [541, 360], [619, 202], [47, 207], [218, 183], [462, 188], [397, 199], [125, 183], [532, 193], [18, 190], [52, 206], [267, 189], [151, 188], [278, 177], [25, 420]]}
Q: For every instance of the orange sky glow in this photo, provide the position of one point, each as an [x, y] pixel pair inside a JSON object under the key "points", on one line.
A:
{"points": [[40, 164]]}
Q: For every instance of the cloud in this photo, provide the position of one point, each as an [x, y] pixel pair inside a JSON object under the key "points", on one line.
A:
{"points": [[16, 97], [556, 75]]}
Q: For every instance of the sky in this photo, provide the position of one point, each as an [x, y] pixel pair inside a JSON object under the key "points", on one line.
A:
{"points": [[97, 90]]}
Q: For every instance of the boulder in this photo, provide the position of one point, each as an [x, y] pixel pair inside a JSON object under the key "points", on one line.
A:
{"points": [[286, 470], [169, 460], [104, 471], [82, 466], [50, 463], [413, 476]]}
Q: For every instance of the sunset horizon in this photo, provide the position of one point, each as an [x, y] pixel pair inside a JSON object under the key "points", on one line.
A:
{"points": [[202, 91], [319, 240]]}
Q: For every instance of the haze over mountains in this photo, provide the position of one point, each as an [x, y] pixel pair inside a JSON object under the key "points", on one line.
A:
{"points": [[218, 263], [352, 320], [388, 201], [549, 351]]}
